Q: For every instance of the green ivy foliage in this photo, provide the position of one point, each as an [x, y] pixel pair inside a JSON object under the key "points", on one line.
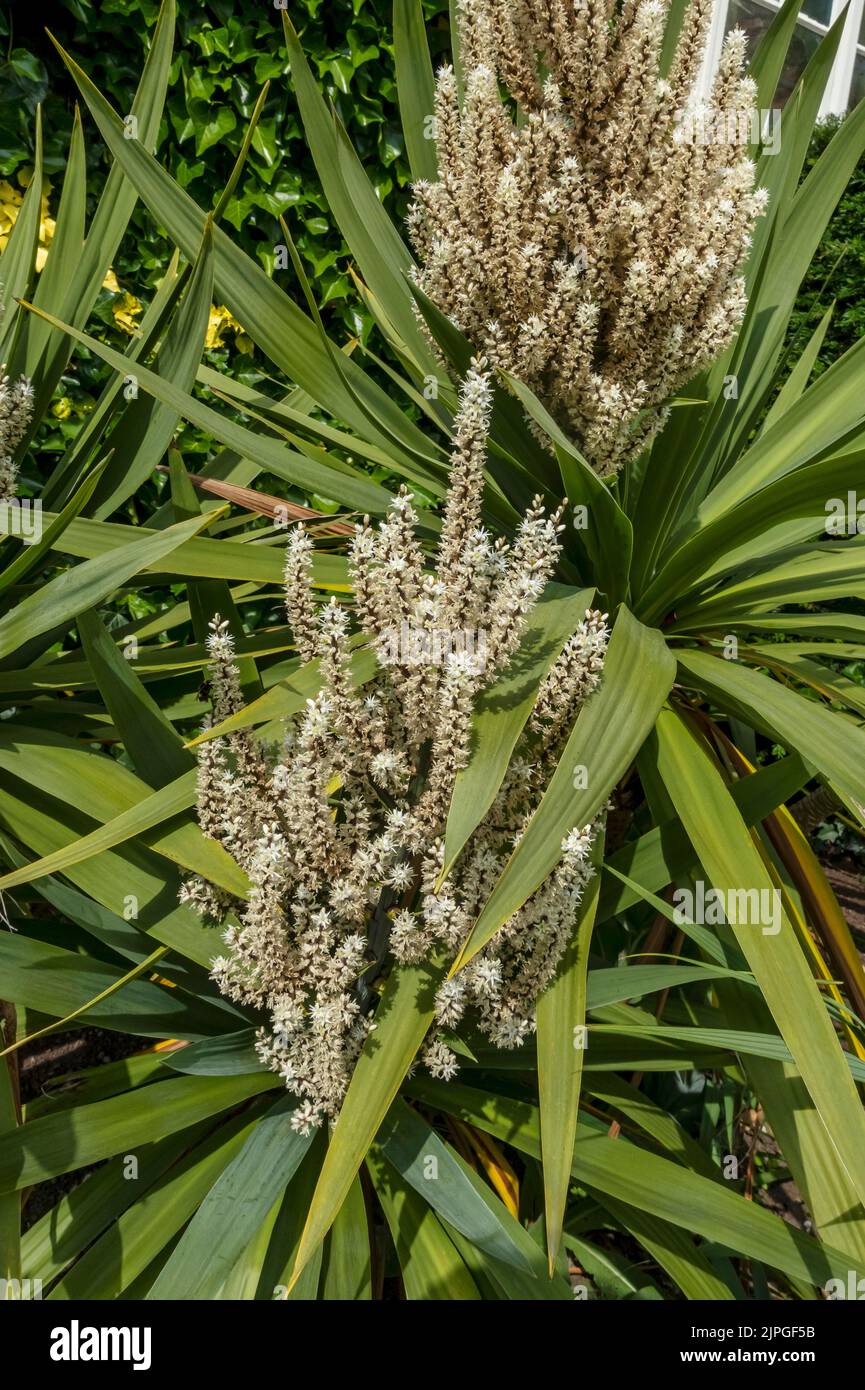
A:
{"points": [[226, 51], [837, 272]]}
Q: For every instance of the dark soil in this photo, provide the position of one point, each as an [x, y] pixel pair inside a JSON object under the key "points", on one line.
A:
{"points": [[849, 889], [46, 1061], [49, 1058]]}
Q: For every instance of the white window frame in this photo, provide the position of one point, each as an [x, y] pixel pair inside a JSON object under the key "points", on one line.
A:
{"points": [[837, 94]]}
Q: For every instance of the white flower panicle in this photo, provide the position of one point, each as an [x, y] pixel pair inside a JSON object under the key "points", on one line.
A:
{"points": [[341, 832], [590, 248], [16, 412], [572, 678], [299, 604]]}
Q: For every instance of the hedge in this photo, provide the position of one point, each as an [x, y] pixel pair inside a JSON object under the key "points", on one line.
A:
{"points": [[227, 49]]}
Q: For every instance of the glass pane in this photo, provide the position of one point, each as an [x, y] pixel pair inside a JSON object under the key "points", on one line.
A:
{"points": [[752, 17], [755, 20], [857, 89], [820, 10]]}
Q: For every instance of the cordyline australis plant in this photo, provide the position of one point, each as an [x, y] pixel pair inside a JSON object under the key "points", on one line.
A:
{"points": [[320, 857], [341, 834], [594, 246]]}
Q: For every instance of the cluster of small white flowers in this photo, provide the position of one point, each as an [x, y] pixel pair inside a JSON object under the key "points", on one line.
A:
{"points": [[504, 980], [299, 604], [588, 247], [16, 412], [341, 833], [572, 678]]}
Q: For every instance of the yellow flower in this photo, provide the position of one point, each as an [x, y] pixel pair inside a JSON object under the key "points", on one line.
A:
{"points": [[125, 310], [221, 319], [126, 307], [10, 206], [10, 202], [47, 226]]}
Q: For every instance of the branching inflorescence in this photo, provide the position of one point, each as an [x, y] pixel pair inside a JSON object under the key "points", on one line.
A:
{"points": [[340, 832], [16, 412], [593, 247]]}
